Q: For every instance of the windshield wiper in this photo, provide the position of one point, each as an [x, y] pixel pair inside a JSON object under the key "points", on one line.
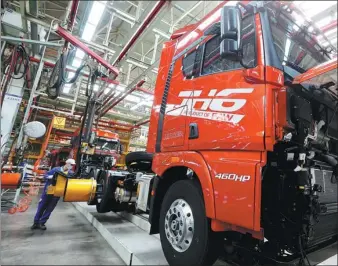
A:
{"points": [[295, 67]]}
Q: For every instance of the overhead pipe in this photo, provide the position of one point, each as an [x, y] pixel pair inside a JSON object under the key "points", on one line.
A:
{"points": [[157, 8], [101, 125], [79, 111], [106, 101], [73, 13], [141, 123], [101, 122], [72, 16], [328, 27], [21, 40], [118, 98], [76, 42], [50, 64], [145, 90], [139, 84], [91, 44]]}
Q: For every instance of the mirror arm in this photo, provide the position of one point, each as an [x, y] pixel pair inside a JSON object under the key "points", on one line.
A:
{"points": [[240, 58]]}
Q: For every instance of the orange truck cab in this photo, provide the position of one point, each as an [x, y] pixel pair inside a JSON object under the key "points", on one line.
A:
{"points": [[244, 113], [242, 149]]}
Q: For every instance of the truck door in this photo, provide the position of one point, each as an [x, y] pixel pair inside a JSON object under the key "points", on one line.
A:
{"points": [[175, 118], [226, 111], [226, 126]]}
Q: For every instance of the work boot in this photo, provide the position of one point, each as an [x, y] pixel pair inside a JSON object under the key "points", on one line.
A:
{"points": [[43, 227], [35, 226]]}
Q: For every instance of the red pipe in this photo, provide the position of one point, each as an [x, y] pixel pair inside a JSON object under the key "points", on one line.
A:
{"points": [[49, 64], [76, 42], [106, 101], [101, 121], [73, 12], [329, 26], [158, 6], [141, 123], [139, 84], [145, 91]]}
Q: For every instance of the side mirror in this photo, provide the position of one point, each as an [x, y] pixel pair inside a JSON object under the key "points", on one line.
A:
{"points": [[120, 149], [230, 33], [92, 139]]}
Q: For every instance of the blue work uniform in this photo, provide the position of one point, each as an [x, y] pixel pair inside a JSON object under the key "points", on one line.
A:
{"points": [[47, 202]]}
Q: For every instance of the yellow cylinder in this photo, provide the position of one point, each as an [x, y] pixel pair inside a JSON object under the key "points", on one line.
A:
{"points": [[80, 190], [60, 186]]}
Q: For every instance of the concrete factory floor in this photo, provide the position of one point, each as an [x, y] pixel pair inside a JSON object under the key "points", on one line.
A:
{"points": [[78, 235], [69, 240]]}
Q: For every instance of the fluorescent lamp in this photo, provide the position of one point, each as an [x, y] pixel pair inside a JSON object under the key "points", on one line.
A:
{"points": [[120, 88], [133, 98], [299, 19], [147, 101], [96, 12], [231, 3], [76, 62], [96, 87], [79, 54], [70, 74], [107, 90], [95, 15], [88, 31], [66, 88]]}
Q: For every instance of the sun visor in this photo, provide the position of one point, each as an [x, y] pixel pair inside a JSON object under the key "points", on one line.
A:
{"points": [[323, 76]]}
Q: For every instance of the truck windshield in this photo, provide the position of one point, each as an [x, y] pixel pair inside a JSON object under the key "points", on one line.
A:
{"points": [[295, 47], [106, 144]]}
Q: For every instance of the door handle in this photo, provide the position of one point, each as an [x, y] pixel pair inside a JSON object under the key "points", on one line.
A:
{"points": [[193, 131]]}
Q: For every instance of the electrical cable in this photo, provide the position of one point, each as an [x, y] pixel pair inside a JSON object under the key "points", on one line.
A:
{"points": [[57, 77], [24, 59], [20, 55]]}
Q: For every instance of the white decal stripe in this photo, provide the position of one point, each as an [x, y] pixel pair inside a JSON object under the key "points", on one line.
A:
{"points": [[227, 92], [214, 116], [190, 93]]}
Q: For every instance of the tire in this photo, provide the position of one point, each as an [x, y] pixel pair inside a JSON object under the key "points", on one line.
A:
{"points": [[103, 205], [139, 161], [205, 245]]}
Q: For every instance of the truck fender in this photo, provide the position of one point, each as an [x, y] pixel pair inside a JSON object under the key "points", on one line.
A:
{"points": [[163, 164]]}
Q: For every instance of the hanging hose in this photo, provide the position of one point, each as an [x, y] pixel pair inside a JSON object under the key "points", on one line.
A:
{"points": [[54, 83], [18, 59], [19, 55], [88, 94], [58, 79]]}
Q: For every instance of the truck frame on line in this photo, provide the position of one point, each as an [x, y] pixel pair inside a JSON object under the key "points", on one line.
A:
{"points": [[243, 143]]}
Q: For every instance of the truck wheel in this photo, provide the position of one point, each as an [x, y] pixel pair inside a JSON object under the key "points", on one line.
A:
{"points": [[186, 236], [104, 199]]}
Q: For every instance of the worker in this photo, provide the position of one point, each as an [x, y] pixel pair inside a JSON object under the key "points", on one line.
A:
{"points": [[47, 202]]}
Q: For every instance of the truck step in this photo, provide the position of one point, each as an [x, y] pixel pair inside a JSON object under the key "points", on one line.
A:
{"points": [[134, 245]]}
